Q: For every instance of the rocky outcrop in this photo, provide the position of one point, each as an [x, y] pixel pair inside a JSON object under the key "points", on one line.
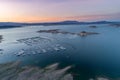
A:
{"points": [[54, 31], [49, 31], [12, 71]]}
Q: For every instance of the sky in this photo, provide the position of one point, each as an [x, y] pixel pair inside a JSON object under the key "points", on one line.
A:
{"points": [[59, 10]]}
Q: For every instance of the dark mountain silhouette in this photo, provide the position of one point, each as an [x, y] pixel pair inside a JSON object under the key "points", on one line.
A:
{"points": [[10, 25], [69, 22]]}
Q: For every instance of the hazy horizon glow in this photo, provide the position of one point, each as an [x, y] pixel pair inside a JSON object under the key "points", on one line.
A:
{"points": [[58, 10]]}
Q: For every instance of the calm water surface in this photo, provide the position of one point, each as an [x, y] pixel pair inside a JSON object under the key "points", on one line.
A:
{"points": [[91, 56]]}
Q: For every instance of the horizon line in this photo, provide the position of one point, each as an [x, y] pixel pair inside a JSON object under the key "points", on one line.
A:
{"points": [[58, 21]]}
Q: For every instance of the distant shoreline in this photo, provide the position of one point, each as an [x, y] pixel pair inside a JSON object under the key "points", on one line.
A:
{"points": [[4, 25]]}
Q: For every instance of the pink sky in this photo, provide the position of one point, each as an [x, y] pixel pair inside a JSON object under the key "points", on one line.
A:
{"points": [[58, 10]]}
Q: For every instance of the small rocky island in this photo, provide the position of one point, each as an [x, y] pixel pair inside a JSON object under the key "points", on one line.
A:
{"points": [[84, 33], [56, 31], [93, 26]]}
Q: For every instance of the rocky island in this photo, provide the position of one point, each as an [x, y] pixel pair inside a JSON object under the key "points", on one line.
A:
{"points": [[93, 26], [56, 31], [84, 33]]}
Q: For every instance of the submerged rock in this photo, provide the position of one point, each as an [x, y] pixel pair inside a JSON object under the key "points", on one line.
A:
{"points": [[12, 71], [93, 26], [37, 45], [1, 49], [103, 78], [84, 33], [1, 38]]}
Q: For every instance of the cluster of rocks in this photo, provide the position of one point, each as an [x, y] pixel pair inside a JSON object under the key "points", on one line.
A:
{"points": [[56, 31], [50, 31], [38, 45], [13, 71]]}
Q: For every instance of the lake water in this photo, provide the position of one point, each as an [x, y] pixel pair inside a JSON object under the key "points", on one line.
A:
{"points": [[91, 56]]}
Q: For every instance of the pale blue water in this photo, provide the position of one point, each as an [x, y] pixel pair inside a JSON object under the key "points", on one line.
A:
{"points": [[91, 56]]}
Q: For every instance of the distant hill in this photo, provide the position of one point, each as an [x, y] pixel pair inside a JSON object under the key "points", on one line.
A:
{"points": [[69, 22], [72, 22], [10, 25]]}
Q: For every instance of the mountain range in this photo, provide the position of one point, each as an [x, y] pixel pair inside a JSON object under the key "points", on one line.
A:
{"points": [[69, 22]]}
